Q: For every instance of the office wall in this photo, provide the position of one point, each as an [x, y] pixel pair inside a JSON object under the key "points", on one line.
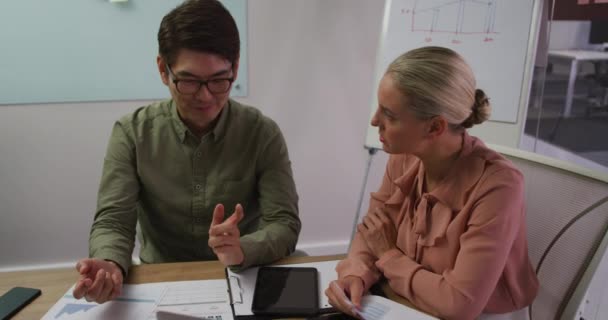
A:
{"points": [[311, 68], [311, 65]]}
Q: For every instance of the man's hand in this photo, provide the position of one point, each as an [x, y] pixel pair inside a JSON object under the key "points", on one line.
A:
{"points": [[225, 237], [379, 232], [345, 295], [100, 280]]}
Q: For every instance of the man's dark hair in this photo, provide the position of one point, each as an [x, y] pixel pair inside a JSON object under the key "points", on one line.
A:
{"points": [[199, 25]]}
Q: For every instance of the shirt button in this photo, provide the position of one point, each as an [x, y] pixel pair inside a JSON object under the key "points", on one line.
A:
{"points": [[199, 154], [197, 187], [198, 220]]}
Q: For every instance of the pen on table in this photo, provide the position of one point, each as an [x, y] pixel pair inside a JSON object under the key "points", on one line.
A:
{"points": [[345, 299]]}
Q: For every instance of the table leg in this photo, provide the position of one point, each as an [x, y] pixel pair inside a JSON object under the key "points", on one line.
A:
{"points": [[570, 92]]}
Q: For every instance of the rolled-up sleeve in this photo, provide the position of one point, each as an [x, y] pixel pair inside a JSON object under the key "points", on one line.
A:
{"points": [[360, 261], [112, 235], [279, 226]]}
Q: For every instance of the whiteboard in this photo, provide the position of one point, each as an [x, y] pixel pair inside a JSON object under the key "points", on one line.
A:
{"points": [[90, 50], [492, 36]]}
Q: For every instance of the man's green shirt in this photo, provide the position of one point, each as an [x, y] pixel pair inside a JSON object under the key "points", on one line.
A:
{"points": [[157, 173]]}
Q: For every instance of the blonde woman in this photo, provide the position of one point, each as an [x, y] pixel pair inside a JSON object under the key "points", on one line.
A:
{"points": [[447, 226]]}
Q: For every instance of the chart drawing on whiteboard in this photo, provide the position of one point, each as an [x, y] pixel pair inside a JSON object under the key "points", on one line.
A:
{"points": [[457, 17]]}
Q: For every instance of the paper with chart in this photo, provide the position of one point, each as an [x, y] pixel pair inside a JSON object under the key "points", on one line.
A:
{"points": [[242, 285], [205, 299], [379, 308]]}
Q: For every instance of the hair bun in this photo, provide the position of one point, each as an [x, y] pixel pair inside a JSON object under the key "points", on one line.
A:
{"points": [[480, 111]]}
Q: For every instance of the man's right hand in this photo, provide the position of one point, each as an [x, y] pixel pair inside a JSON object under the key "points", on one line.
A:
{"points": [[100, 280], [225, 237]]}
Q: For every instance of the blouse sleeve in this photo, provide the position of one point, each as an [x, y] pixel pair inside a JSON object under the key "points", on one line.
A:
{"points": [[360, 261]]}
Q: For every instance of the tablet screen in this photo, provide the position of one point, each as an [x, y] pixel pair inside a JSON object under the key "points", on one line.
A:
{"points": [[286, 291]]}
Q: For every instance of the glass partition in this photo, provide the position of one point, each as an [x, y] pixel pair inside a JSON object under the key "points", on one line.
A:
{"points": [[567, 115]]}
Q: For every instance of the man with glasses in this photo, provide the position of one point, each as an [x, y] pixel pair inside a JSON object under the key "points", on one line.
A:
{"points": [[174, 168]]}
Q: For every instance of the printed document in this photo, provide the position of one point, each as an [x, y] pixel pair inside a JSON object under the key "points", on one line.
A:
{"points": [[201, 299], [380, 308]]}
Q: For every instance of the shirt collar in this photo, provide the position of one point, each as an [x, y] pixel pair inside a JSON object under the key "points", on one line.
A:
{"points": [[180, 126], [463, 176], [222, 123], [218, 131]]}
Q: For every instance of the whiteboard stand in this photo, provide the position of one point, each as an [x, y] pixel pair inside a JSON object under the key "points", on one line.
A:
{"points": [[371, 151]]}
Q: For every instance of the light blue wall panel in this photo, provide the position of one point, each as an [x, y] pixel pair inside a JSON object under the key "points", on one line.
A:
{"points": [[89, 50]]}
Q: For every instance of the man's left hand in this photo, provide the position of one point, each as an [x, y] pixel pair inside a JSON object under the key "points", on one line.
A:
{"points": [[379, 232], [225, 237]]}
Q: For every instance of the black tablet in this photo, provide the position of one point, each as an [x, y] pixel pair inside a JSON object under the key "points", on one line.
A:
{"points": [[286, 291]]}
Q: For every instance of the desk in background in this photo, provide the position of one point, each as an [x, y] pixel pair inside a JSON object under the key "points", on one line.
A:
{"points": [[575, 56], [54, 283]]}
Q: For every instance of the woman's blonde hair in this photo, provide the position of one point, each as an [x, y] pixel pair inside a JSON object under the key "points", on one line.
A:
{"points": [[438, 82]]}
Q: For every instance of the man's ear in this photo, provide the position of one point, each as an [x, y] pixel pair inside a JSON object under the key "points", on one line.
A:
{"points": [[437, 126], [162, 70]]}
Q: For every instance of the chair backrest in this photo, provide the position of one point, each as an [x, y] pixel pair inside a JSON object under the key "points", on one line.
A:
{"points": [[567, 219]]}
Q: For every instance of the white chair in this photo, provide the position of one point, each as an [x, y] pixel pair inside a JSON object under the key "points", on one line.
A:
{"points": [[567, 217]]}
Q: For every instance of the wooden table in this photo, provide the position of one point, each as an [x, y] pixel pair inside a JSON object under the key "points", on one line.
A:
{"points": [[54, 283]]}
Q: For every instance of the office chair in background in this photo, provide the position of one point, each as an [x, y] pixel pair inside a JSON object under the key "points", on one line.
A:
{"points": [[567, 220]]}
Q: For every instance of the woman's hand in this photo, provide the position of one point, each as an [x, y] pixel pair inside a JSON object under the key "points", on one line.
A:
{"points": [[379, 232], [339, 292]]}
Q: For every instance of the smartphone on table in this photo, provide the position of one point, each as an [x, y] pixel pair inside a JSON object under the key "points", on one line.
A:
{"points": [[15, 299]]}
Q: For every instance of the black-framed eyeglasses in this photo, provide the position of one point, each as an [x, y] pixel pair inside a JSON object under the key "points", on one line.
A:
{"points": [[192, 86]]}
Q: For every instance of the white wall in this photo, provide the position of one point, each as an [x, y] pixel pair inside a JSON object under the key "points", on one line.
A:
{"points": [[50, 166], [569, 35], [311, 65]]}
